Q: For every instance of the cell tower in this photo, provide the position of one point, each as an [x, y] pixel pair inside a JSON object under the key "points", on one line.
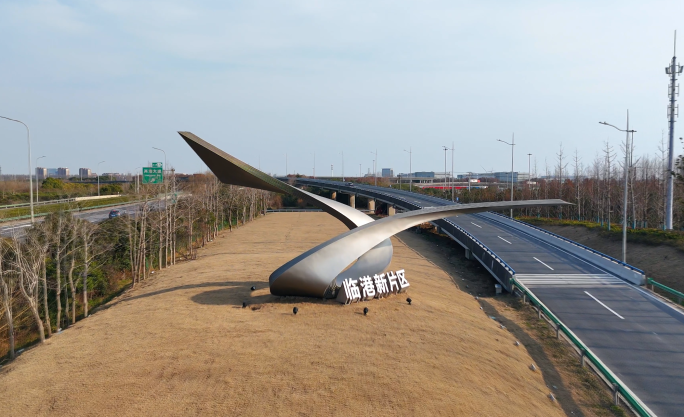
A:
{"points": [[672, 112]]}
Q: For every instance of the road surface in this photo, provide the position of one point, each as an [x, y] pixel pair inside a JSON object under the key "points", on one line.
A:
{"points": [[636, 335]]}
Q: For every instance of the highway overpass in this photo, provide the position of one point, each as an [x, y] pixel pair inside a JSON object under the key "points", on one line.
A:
{"points": [[636, 335]]}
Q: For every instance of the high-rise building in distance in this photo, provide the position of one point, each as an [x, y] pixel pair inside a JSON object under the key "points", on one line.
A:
{"points": [[41, 173], [63, 172], [84, 173]]}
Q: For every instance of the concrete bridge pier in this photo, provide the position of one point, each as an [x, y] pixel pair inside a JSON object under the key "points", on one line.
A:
{"points": [[391, 210], [333, 195], [371, 204], [352, 201]]}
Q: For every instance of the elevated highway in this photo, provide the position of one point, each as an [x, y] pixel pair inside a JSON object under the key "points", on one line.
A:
{"points": [[636, 335]]}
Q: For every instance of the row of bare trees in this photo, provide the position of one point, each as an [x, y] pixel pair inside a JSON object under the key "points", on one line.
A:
{"points": [[596, 189], [53, 273]]}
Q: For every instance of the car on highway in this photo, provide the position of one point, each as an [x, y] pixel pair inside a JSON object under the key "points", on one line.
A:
{"points": [[114, 213], [351, 184]]}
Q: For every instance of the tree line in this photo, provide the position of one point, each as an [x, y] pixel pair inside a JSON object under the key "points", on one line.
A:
{"points": [[53, 273], [595, 187]]}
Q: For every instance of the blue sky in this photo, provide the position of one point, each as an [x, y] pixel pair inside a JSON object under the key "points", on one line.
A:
{"points": [[108, 79]]}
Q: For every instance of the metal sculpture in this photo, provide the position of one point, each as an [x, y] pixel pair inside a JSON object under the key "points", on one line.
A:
{"points": [[364, 250]]}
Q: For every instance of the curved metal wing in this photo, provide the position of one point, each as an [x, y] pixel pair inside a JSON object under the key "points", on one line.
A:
{"points": [[314, 273], [231, 170]]}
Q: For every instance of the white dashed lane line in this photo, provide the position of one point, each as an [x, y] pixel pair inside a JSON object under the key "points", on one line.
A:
{"points": [[599, 301], [477, 225], [504, 240], [543, 263]]}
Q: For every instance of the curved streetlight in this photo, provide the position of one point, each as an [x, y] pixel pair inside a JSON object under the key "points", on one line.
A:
{"points": [[626, 200], [37, 198], [512, 145], [98, 177], [28, 136]]}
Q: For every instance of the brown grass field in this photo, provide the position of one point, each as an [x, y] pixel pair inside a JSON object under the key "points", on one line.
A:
{"points": [[180, 344]]}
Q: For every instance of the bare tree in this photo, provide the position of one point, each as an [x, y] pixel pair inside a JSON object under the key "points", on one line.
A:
{"points": [[27, 261], [7, 286]]}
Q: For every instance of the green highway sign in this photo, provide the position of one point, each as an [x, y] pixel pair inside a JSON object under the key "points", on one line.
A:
{"points": [[157, 165], [154, 174]]}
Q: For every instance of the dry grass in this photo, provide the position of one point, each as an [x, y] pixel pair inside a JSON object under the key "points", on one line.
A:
{"points": [[182, 345]]}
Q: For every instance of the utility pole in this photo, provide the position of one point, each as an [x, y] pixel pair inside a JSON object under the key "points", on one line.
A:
{"points": [[331, 171], [452, 171], [672, 113], [375, 167], [342, 166], [410, 168], [446, 148], [286, 164], [529, 171], [37, 197], [98, 177]]}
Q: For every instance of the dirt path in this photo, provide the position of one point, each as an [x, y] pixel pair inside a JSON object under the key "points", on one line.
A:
{"points": [[182, 345]]}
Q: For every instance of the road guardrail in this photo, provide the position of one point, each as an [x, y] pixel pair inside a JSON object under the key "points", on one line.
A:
{"points": [[655, 284], [28, 216], [619, 388]]}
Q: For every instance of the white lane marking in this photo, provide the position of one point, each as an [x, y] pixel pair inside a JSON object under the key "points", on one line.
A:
{"points": [[504, 240], [543, 263], [477, 225], [17, 227], [599, 301]]}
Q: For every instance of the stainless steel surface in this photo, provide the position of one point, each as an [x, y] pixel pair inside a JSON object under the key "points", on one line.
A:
{"points": [[316, 272], [364, 250]]}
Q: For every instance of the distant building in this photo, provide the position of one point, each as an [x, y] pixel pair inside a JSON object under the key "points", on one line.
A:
{"points": [[63, 172], [424, 174], [84, 173], [387, 172], [41, 173], [503, 177], [115, 175], [52, 172]]}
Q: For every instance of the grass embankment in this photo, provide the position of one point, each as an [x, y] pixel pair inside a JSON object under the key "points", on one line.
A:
{"points": [[646, 236], [74, 206]]}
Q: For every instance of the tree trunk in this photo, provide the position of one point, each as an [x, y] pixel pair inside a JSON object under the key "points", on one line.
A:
{"points": [[46, 310], [72, 287], [58, 278], [85, 275], [7, 303], [33, 304]]}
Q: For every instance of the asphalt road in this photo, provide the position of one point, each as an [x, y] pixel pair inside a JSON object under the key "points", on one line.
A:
{"points": [[637, 336], [95, 216]]}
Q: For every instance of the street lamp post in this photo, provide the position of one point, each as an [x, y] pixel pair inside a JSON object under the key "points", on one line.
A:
{"points": [[452, 171], [37, 198], [626, 199], [137, 180], [98, 177], [342, 166], [375, 166], [446, 148], [28, 137], [410, 168], [512, 145], [166, 211]]}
